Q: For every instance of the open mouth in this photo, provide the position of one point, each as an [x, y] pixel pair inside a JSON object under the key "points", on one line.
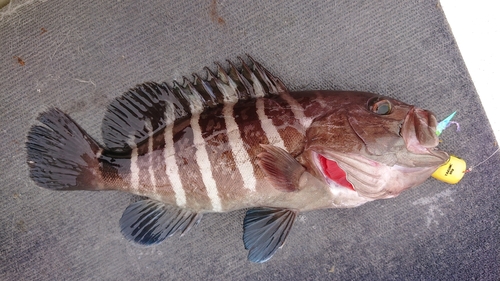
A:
{"points": [[333, 172]]}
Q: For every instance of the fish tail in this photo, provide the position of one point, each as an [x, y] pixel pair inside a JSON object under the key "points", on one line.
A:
{"points": [[61, 156]]}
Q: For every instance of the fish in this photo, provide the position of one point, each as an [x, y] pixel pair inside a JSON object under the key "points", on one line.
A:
{"points": [[237, 139]]}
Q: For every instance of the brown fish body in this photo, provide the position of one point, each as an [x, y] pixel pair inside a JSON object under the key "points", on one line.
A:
{"points": [[278, 127], [237, 140], [238, 180]]}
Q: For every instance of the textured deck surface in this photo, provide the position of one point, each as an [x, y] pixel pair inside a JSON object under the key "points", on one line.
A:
{"points": [[78, 56]]}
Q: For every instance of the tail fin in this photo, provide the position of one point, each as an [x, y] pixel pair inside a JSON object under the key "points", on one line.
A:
{"points": [[62, 156]]}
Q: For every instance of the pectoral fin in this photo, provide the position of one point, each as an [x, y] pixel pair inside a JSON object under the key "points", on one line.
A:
{"points": [[149, 222], [265, 230], [281, 169]]}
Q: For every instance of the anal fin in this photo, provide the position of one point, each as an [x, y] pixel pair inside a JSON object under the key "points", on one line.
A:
{"points": [[149, 222], [265, 230]]}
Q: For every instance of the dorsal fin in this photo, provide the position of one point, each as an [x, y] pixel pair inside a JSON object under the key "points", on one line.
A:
{"points": [[148, 108]]}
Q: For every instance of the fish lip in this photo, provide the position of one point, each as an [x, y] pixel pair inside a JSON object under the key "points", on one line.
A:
{"points": [[418, 131], [334, 185]]}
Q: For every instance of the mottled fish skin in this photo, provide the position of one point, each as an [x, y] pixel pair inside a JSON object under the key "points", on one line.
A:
{"points": [[209, 161], [238, 139]]}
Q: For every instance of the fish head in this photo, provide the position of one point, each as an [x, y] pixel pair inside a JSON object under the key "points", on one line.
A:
{"points": [[374, 146]]}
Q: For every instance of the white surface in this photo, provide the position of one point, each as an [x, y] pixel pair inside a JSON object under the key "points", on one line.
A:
{"points": [[476, 27]]}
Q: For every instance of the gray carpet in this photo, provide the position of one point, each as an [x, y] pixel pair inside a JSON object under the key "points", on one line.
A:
{"points": [[79, 56]]}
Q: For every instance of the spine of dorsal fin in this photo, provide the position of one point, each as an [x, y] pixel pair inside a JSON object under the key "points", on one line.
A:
{"points": [[274, 84], [141, 111], [244, 89], [206, 90], [232, 85]]}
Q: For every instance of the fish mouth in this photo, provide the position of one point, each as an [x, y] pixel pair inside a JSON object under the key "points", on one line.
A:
{"points": [[419, 131]]}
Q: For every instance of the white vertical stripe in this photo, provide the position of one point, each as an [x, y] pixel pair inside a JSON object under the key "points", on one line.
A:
{"points": [[204, 164], [152, 178], [98, 153], [297, 110], [321, 100], [272, 133], [134, 168], [240, 155], [172, 170]]}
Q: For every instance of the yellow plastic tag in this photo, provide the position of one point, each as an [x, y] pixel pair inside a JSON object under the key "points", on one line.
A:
{"points": [[452, 171]]}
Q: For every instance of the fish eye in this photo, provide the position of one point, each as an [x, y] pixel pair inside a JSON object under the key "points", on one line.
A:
{"points": [[380, 106]]}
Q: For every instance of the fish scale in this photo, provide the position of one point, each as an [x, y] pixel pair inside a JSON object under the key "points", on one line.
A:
{"points": [[238, 139]]}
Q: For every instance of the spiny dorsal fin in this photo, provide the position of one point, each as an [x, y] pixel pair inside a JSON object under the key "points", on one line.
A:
{"points": [[148, 108]]}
